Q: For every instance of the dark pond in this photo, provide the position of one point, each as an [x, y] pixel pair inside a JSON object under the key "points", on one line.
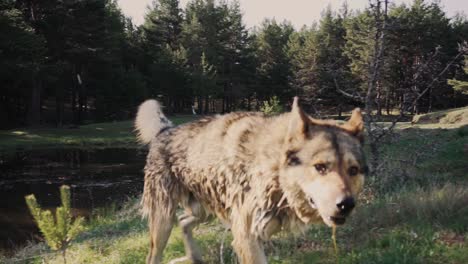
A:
{"points": [[97, 178]]}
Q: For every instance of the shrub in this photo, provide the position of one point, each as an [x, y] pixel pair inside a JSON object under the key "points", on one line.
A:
{"points": [[59, 231]]}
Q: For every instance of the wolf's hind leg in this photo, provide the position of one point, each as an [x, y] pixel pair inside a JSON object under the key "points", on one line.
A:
{"points": [[160, 229], [192, 216], [187, 222]]}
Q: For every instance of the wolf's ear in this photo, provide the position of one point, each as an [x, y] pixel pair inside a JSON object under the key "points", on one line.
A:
{"points": [[298, 123], [355, 124]]}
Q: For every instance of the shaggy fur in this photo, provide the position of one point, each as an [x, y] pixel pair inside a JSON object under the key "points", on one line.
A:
{"points": [[259, 175]]}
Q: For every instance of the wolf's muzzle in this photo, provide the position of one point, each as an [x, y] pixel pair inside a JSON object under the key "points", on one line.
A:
{"points": [[346, 206]]}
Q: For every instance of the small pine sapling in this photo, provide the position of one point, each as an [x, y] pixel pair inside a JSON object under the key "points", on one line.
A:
{"points": [[272, 106], [59, 231]]}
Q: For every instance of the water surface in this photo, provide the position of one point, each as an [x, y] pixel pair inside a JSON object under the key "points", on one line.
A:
{"points": [[97, 178]]}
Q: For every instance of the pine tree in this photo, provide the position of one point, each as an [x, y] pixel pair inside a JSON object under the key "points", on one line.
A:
{"points": [[87, 58], [165, 56], [273, 68], [60, 230], [206, 36], [205, 77], [459, 85], [22, 63], [302, 52], [163, 24], [359, 47], [417, 58], [331, 62], [236, 56], [272, 106]]}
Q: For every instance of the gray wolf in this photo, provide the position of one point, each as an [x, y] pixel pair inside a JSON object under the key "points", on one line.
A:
{"points": [[259, 175]]}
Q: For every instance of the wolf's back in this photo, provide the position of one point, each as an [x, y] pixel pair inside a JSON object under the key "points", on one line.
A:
{"points": [[150, 120]]}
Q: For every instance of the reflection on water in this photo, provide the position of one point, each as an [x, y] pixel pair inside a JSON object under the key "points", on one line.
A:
{"points": [[97, 178]]}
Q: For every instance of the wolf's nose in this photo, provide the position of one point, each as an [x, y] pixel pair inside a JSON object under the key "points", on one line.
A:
{"points": [[346, 205]]}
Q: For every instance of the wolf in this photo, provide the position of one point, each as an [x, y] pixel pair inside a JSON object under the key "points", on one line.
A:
{"points": [[259, 175]]}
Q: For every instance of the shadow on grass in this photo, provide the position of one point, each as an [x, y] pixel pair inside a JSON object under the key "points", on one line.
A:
{"points": [[419, 157]]}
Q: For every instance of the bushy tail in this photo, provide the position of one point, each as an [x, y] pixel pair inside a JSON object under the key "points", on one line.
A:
{"points": [[150, 120]]}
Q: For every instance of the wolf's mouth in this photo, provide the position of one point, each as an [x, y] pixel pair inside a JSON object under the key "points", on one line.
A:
{"points": [[337, 220], [312, 204]]}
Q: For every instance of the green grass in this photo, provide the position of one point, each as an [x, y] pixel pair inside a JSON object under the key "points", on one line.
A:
{"points": [[99, 135], [414, 211], [422, 155]]}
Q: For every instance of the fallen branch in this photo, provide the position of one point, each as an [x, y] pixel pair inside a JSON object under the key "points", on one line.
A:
{"points": [[352, 96]]}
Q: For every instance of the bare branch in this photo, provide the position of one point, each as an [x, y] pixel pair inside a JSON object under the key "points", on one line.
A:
{"points": [[425, 65], [400, 116], [351, 96], [435, 79]]}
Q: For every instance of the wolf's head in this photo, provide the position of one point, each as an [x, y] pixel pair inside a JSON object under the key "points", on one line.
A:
{"points": [[323, 164]]}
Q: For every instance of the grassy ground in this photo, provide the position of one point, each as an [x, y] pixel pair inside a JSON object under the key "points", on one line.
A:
{"points": [[450, 116], [414, 211], [100, 135]]}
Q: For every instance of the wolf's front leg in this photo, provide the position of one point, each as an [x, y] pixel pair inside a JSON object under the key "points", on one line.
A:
{"points": [[249, 248]]}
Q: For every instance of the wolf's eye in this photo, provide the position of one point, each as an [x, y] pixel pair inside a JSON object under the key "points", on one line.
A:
{"points": [[321, 168], [353, 171], [293, 160]]}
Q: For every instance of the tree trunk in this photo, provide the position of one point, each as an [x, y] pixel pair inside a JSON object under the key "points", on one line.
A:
{"points": [[35, 103], [207, 104], [228, 104], [429, 109], [73, 106], [387, 102], [374, 78], [59, 107], [200, 105], [82, 101], [224, 105], [80, 108], [378, 99], [75, 95]]}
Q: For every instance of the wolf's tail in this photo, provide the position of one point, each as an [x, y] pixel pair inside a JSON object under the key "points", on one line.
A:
{"points": [[150, 120]]}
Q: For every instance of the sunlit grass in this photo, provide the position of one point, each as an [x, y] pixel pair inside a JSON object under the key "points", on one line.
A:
{"points": [[413, 227], [99, 135]]}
